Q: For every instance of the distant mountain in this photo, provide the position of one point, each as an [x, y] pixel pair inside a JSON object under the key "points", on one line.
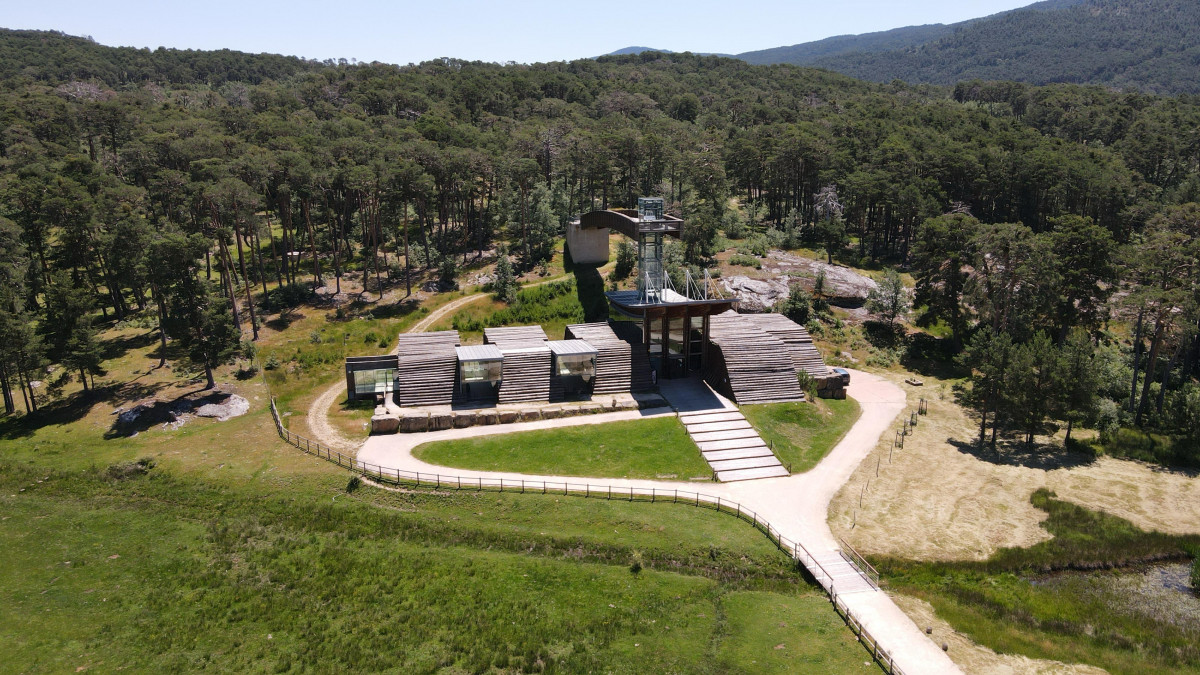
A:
{"points": [[637, 50], [808, 52], [1151, 45]]}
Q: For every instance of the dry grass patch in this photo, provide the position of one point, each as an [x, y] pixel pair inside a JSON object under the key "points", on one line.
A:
{"points": [[938, 499]]}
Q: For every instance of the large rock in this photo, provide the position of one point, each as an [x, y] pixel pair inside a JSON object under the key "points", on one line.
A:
{"points": [[414, 422], [843, 286], [756, 295], [384, 424], [441, 421]]}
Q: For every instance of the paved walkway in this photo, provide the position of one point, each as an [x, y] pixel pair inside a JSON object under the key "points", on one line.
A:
{"points": [[795, 505]]}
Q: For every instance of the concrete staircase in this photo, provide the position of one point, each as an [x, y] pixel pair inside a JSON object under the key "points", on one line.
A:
{"points": [[730, 445]]}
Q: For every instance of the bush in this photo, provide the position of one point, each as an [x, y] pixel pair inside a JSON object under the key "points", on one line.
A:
{"points": [[287, 297], [626, 260], [448, 272], [745, 261], [733, 224], [125, 470], [353, 484], [1194, 550], [798, 305], [272, 363]]}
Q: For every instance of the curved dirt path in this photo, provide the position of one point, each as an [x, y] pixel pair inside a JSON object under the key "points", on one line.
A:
{"points": [[317, 416], [795, 505]]}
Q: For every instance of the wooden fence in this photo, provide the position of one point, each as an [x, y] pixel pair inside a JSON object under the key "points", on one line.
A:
{"points": [[454, 482]]}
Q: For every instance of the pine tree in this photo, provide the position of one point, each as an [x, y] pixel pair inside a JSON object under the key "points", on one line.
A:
{"points": [[505, 284]]}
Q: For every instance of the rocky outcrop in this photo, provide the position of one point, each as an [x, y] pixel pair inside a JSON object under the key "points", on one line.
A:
{"points": [[843, 286]]}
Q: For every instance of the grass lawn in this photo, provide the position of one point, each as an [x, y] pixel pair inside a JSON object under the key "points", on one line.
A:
{"points": [[651, 448], [768, 632], [236, 552], [801, 434]]}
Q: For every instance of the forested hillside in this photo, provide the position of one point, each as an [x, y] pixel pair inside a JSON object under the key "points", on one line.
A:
{"points": [[808, 53], [1149, 45], [56, 57], [180, 200]]}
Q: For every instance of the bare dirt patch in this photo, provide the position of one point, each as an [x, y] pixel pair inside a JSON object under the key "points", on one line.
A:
{"points": [[937, 499]]}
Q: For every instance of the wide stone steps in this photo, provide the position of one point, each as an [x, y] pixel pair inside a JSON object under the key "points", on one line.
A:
{"points": [[725, 435], [738, 453], [730, 445], [731, 425], [751, 474]]}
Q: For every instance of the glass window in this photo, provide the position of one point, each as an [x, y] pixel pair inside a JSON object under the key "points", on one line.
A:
{"points": [[480, 371], [373, 381], [583, 365]]}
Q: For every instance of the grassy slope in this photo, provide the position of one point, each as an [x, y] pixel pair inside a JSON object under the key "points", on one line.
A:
{"points": [[651, 448], [801, 434], [237, 552]]}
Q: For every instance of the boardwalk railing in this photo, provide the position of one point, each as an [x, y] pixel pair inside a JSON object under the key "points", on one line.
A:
{"points": [[868, 570], [628, 493]]}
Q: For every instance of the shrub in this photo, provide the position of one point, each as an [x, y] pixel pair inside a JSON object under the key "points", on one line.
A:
{"points": [[272, 363], [745, 261], [314, 337], [626, 260], [448, 272], [734, 225], [353, 484], [798, 305], [287, 297], [125, 470]]}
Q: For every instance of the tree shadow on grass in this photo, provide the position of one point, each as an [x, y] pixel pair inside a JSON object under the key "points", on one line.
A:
{"points": [[1042, 456], [76, 406], [141, 417], [119, 346], [932, 357]]}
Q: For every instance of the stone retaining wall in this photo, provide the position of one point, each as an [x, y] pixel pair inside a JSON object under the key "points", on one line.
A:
{"points": [[417, 420]]}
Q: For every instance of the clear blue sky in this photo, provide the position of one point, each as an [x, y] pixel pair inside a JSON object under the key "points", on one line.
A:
{"points": [[519, 30]]}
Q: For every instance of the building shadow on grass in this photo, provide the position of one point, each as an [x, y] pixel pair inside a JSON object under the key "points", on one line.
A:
{"points": [[1042, 456]]}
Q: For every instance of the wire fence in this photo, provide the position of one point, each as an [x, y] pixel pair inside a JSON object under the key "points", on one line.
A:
{"points": [[439, 481]]}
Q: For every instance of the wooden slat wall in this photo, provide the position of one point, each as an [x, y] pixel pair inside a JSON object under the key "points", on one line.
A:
{"points": [[526, 375], [621, 364], [514, 336], [758, 365], [799, 343], [427, 368]]}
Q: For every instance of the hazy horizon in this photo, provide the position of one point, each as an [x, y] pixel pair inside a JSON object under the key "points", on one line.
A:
{"points": [[400, 33]]}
